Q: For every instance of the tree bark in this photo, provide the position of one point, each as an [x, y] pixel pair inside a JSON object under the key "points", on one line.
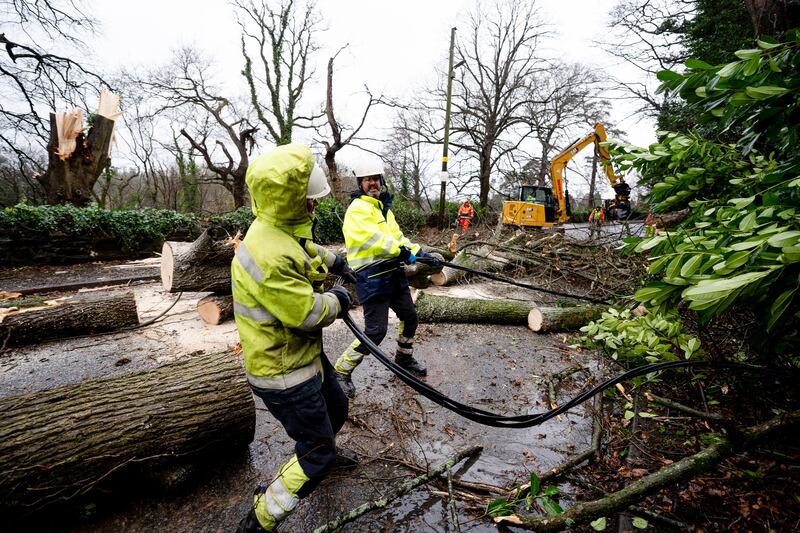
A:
{"points": [[72, 179], [205, 266], [549, 319], [449, 275], [80, 317], [431, 308], [418, 274], [215, 308], [58, 444]]}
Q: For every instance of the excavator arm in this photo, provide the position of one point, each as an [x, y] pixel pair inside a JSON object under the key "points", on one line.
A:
{"points": [[559, 165]]}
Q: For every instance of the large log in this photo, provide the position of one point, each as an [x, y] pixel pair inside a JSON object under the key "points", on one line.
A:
{"points": [[432, 308], [550, 319], [204, 266], [95, 314], [62, 443], [215, 309]]}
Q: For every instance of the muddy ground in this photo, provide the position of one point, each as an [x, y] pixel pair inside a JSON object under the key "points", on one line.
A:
{"points": [[394, 430]]}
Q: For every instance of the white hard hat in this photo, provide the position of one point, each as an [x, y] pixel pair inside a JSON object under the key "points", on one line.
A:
{"points": [[367, 167], [317, 184]]}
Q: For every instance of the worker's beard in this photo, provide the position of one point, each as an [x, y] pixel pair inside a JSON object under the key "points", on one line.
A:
{"points": [[372, 190]]}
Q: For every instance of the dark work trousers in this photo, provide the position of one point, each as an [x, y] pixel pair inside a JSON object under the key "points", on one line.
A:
{"points": [[312, 413], [376, 316]]}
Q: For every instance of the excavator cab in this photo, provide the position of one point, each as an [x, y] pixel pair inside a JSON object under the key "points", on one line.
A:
{"points": [[534, 206]]}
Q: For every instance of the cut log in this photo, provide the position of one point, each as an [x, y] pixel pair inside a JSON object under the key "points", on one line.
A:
{"points": [[418, 274], [93, 314], [549, 319], [204, 266], [59, 444], [432, 308], [215, 308]]}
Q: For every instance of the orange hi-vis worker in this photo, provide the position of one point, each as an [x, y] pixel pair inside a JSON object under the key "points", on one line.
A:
{"points": [[465, 214]]}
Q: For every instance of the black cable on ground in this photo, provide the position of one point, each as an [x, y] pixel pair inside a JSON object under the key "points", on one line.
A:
{"points": [[488, 418], [510, 281]]}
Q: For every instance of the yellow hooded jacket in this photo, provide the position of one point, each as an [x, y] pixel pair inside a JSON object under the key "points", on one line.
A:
{"points": [[277, 275]]}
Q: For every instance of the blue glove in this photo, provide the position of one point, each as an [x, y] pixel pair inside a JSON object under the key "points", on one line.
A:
{"points": [[429, 259], [406, 256]]}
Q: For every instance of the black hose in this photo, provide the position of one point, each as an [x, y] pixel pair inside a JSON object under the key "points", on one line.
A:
{"points": [[488, 418], [508, 280]]}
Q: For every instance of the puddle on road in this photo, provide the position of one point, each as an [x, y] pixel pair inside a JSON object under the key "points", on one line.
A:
{"points": [[497, 368]]}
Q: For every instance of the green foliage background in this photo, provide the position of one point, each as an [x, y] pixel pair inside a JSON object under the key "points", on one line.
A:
{"points": [[741, 246]]}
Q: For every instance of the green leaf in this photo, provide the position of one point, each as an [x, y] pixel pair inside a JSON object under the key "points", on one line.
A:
{"points": [[748, 222], [639, 523], [599, 524], [551, 507], [716, 289], [648, 293], [786, 238], [747, 54], [730, 69], [779, 306], [766, 45], [764, 91], [536, 483], [741, 203], [668, 75], [691, 266], [500, 507], [551, 491], [697, 64]]}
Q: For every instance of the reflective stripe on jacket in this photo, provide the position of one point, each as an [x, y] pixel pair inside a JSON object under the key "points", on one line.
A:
{"points": [[369, 236], [277, 275]]}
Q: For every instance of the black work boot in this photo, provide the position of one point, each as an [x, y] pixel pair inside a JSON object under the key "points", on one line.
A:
{"points": [[346, 458], [346, 383], [409, 363]]}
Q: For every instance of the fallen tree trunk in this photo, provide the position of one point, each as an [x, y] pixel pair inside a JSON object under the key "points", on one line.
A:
{"points": [[418, 274], [450, 275], [68, 319], [204, 266], [58, 444], [686, 468], [549, 319], [215, 309], [432, 308]]}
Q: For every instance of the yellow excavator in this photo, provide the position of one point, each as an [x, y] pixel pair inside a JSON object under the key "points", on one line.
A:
{"points": [[544, 207]]}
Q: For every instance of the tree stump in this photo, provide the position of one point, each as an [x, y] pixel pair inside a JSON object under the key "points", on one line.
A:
{"points": [[203, 266], [58, 444], [71, 179], [550, 319], [432, 308], [88, 315], [215, 309]]}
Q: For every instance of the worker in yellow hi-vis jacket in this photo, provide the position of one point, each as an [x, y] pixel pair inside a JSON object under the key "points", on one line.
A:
{"points": [[280, 310], [377, 250]]}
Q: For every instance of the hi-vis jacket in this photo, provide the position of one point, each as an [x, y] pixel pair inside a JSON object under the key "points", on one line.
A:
{"points": [[372, 235], [277, 275]]}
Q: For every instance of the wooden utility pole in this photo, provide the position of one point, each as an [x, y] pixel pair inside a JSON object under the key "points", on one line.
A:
{"points": [[446, 128]]}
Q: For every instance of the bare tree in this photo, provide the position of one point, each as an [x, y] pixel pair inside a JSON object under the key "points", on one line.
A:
{"points": [[339, 134], [565, 102], [407, 160], [37, 74], [281, 38], [222, 135], [498, 60]]}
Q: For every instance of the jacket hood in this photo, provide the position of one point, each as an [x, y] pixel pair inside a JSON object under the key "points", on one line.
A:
{"points": [[278, 181]]}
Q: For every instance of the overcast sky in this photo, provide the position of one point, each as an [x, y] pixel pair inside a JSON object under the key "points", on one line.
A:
{"points": [[393, 46]]}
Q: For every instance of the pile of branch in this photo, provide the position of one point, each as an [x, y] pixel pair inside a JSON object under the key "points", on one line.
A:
{"points": [[554, 261]]}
